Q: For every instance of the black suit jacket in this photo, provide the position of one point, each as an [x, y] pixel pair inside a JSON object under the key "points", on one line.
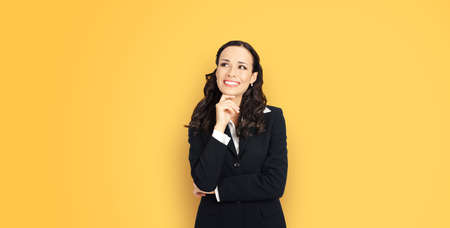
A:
{"points": [[249, 183]]}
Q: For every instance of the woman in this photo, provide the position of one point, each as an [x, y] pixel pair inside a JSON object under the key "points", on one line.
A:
{"points": [[238, 151]]}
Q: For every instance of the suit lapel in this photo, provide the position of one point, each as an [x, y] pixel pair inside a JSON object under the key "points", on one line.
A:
{"points": [[243, 141], [242, 144], [232, 148]]}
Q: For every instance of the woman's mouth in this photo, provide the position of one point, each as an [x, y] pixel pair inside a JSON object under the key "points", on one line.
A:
{"points": [[230, 83]]}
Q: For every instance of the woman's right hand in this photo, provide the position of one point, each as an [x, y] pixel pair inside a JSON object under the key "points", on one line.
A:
{"points": [[225, 109]]}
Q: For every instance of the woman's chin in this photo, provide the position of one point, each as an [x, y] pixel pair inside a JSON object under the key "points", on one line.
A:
{"points": [[230, 93]]}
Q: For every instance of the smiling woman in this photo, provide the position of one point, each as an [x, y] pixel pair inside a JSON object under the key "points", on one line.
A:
{"points": [[238, 151]]}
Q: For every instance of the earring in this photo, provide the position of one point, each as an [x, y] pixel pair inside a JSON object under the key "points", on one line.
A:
{"points": [[251, 84]]}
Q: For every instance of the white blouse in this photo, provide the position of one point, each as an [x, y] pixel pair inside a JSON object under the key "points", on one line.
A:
{"points": [[225, 139]]}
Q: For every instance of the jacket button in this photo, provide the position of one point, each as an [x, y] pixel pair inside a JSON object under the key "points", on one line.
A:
{"points": [[236, 164]]}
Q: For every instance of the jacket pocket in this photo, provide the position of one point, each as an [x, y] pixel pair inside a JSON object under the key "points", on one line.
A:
{"points": [[268, 210]]}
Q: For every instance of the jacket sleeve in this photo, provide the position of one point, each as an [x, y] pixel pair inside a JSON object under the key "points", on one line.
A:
{"points": [[206, 160], [270, 182]]}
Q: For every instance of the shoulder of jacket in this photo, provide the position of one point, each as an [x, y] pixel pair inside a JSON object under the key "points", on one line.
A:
{"points": [[272, 108]]}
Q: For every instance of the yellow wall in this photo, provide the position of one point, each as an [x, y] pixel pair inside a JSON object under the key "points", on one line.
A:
{"points": [[94, 95]]}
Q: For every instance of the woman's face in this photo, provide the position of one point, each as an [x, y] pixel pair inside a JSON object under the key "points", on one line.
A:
{"points": [[234, 71]]}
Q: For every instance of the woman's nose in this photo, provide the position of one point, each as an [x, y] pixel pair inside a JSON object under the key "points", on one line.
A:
{"points": [[232, 72]]}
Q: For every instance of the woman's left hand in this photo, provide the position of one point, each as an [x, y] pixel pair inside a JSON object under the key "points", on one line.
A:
{"points": [[198, 193]]}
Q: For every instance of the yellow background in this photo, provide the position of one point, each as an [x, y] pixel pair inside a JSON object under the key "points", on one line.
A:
{"points": [[94, 96]]}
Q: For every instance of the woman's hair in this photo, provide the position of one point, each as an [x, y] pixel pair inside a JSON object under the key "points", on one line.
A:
{"points": [[252, 105]]}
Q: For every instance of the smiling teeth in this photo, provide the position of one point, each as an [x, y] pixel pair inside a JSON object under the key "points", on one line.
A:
{"points": [[231, 83]]}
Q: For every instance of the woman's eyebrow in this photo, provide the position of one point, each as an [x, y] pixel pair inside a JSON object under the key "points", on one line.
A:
{"points": [[238, 61]]}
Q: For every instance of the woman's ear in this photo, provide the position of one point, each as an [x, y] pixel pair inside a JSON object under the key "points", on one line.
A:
{"points": [[254, 76]]}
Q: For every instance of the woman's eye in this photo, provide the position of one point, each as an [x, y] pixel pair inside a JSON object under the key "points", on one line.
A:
{"points": [[243, 67], [223, 64]]}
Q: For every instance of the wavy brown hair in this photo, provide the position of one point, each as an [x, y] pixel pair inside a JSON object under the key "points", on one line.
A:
{"points": [[251, 116]]}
